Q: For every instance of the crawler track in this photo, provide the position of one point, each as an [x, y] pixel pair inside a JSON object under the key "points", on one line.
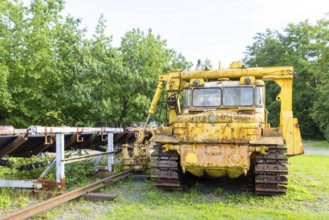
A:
{"points": [[58, 200], [270, 171], [166, 172]]}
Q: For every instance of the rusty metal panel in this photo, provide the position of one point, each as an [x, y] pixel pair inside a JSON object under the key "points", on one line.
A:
{"points": [[13, 145], [20, 145], [99, 197], [214, 159], [214, 127], [165, 139], [268, 141], [272, 132], [7, 130], [65, 129]]}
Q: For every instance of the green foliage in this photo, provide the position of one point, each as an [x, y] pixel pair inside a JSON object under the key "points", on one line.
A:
{"points": [[13, 198], [51, 74], [5, 199], [13, 173], [144, 57], [77, 174], [305, 47], [321, 108]]}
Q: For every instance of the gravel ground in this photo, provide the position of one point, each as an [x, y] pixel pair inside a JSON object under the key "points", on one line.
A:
{"points": [[79, 210], [311, 150]]}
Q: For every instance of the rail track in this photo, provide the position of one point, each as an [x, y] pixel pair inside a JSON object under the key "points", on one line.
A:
{"points": [[65, 197]]}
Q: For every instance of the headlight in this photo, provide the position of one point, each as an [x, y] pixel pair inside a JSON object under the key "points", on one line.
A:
{"points": [[212, 118]]}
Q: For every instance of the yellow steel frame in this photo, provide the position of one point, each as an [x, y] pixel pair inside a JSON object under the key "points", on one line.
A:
{"points": [[283, 76]]}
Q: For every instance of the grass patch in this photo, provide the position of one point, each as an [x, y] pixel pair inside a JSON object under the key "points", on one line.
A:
{"points": [[13, 199], [306, 198], [77, 175]]}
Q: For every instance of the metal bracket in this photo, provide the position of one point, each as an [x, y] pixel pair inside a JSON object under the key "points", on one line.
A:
{"points": [[49, 136], [102, 135], [79, 137]]}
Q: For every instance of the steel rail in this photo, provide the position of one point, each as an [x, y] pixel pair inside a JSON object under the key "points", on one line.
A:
{"points": [[58, 200], [49, 130]]}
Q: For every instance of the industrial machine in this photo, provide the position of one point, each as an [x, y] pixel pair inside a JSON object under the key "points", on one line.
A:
{"points": [[218, 126]]}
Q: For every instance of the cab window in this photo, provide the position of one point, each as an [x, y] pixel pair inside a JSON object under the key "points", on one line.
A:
{"points": [[206, 97], [238, 96]]}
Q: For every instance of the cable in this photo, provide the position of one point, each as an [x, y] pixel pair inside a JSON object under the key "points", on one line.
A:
{"points": [[6, 163]]}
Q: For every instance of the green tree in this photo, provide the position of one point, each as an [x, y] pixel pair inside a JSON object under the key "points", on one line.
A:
{"points": [[320, 54], [51, 74], [303, 46], [267, 50], [144, 57]]}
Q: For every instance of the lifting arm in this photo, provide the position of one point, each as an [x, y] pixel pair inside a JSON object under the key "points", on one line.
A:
{"points": [[162, 79], [283, 76]]}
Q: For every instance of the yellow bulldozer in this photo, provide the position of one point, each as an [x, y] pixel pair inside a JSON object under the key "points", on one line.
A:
{"points": [[218, 126]]}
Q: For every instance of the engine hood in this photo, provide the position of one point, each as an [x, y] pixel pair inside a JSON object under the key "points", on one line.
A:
{"points": [[217, 127], [217, 117]]}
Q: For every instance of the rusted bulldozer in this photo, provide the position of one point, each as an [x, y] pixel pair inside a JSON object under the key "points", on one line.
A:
{"points": [[218, 126]]}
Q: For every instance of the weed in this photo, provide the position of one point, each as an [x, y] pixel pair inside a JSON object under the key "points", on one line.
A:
{"points": [[5, 200], [85, 210], [219, 191]]}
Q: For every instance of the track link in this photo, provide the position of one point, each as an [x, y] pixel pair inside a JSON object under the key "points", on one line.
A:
{"points": [[166, 171], [270, 171]]}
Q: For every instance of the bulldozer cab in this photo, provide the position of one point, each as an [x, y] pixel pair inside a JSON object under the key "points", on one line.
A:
{"points": [[230, 94], [226, 96]]}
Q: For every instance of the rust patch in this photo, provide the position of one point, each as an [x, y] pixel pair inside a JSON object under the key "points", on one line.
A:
{"points": [[47, 184], [272, 132], [63, 183], [165, 139], [12, 146], [7, 130]]}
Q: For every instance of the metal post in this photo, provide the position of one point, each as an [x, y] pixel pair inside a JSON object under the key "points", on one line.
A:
{"points": [[46, 171], [110, 149], [96, 164], [60, 174]]}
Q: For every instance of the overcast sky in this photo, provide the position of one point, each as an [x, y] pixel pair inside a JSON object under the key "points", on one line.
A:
{"points": [[215, 29]]}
